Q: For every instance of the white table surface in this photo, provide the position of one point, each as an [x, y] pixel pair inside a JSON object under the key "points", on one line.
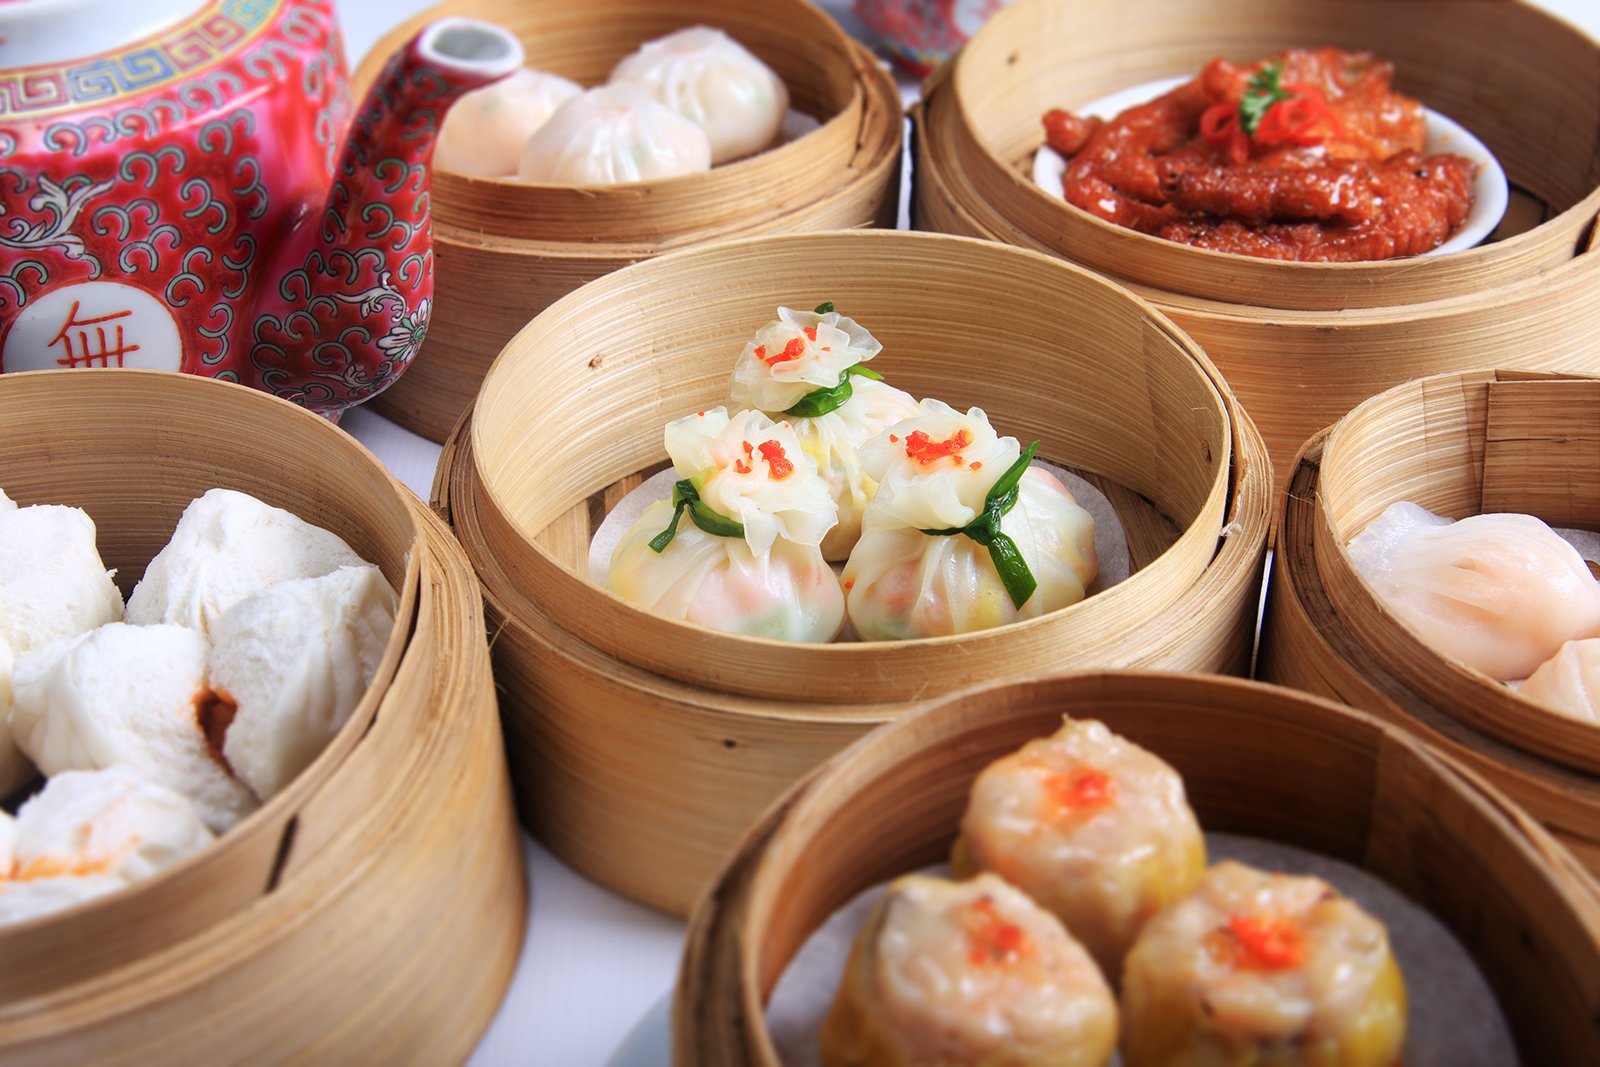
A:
{"points": [[593, 963]]}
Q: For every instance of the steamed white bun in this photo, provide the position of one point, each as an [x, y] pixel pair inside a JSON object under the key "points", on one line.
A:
{"points": [[484, 131], [294, 660], [134, 695], [33, 897], [226, 546], [714, 82], [611, 135]]}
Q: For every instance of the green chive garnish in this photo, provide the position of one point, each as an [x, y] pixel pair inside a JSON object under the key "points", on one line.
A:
{"points": [[985, 530], [685, 497]]}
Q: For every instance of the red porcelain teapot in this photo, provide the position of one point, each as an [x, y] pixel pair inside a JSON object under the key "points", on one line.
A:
{"points": [[174, 192]]}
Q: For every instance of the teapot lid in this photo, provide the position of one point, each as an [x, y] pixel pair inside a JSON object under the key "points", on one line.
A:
{"points": [[38, 32]]}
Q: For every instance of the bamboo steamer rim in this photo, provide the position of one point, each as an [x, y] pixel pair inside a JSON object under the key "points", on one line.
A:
{"points": [[1186, 271], [1348, 484], [732, 957], [104, 395], [605, 615], [858, 132], [1306, 644]]}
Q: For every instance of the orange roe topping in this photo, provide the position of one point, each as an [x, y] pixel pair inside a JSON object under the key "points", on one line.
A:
{"points": [[778, 465], [810, 332], [928, 452], [894, 439], [849, 584], [992, 939], [1083, 789], [741, 467], [975, 465], [1259, 943], [793, 350]]}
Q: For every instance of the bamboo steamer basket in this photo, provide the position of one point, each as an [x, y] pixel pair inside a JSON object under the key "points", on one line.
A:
{"points": [[1458, 445], [505, 250], [1301, 343], [1255, 759], [641, 746], [389, 871]]}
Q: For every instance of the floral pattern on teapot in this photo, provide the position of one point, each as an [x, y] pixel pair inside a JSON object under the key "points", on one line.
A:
{"points": [[187, 204]]}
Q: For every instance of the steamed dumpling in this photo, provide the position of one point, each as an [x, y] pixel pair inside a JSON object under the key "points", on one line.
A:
{"points": [[935, 472], [611, 135], [134, 695], [1501, 593], [804, 353], [228, 545], [1569, 681], [974, 972], [760, 571], [293, 661], [1093, 827], [714, 82], [484, 132]]}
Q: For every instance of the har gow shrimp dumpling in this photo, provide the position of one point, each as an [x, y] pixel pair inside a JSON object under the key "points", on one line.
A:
{"points": [[1501, 593], [1093, 827], [714, 82], [968, 972], [610, 135], [484, 132], [1264, 969], [1569, 682]]}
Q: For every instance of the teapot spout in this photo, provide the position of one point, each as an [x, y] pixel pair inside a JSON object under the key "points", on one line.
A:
{"points": [[347, 307]]}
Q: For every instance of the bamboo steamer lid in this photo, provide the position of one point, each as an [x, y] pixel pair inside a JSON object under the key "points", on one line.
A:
{"points": [[1458, 445], [700, 728], [505, 250], [1255, 759], [395, 853], [1301, 343]]}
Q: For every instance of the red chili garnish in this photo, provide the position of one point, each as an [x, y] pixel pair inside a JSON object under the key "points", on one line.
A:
{"points": [[741, 467], [992, 939], [1295, 120], [810, 332], [894, 439], [778, 465], [928, 452], [747, 449], [1082, 789], [1268, 942], [1219, 125], [975, 465], [793, 350], [849, 584]]}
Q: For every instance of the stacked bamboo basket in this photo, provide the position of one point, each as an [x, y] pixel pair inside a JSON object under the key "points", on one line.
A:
{"points": [[1300, 343], [640, 746], [505, 250], [1255, 759], [382, 892], [1458, 445]]}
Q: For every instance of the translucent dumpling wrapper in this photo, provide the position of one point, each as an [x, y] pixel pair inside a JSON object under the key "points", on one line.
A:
{"points": [[1093, 827], [1568, 682], [1501, 593], [795, 359], [293, 661], [612, 135], [967, 973], [132, 695], [715, 82], [1262, 968], [766, 577], [484, 132], [935, 472], [228, 545], [53, 584]]}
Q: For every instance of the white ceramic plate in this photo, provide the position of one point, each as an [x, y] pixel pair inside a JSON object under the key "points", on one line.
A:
{"points": [[1489, 191]]}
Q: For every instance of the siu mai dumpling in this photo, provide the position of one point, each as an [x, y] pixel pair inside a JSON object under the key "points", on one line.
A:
{"points": [[1263, 969], [1501, 593], [131, 695], [484, 132], [736, 548], [228, 545], [290, 663], [807, 368], [612, 135], [1568, 682], [716, 83], [972, 972], [1093, 827], [933, 561]]}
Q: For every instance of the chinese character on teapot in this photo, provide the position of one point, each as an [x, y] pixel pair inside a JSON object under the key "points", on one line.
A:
{"points": [[178, 191]]}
